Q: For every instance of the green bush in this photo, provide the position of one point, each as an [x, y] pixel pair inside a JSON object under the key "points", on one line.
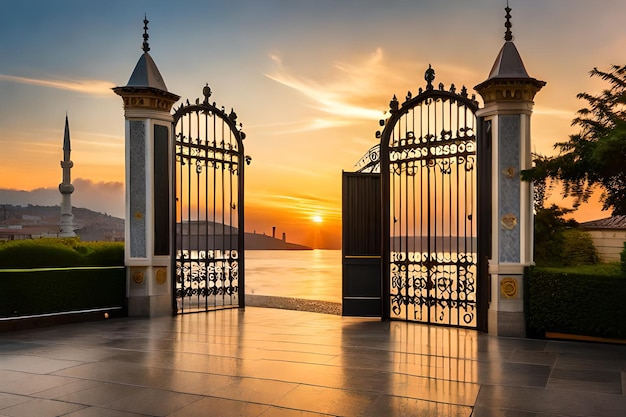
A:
{"points": [[64, 252], [623, 258], [550, 227], [582, 303], [105, 254], [578, 248]]}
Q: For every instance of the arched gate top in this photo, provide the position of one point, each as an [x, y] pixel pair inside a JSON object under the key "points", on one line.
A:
{"points": [[211, 109], [397, 110]]}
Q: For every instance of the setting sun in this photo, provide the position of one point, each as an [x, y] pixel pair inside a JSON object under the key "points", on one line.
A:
{"points": [[317, 219]]}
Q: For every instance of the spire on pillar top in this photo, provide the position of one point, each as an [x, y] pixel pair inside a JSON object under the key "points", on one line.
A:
{"points": [[66, 136], [145, 47], [146, 88], [508, 36], [508, 78]]}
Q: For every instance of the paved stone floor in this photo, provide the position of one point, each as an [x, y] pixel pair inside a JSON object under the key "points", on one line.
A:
{"points": [[270, 362]]}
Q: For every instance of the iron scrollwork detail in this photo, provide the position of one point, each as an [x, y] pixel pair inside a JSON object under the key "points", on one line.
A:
{"points": [[210, 159], [428, 157]]}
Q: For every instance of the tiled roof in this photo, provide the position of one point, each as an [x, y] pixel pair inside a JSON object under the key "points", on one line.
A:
{"points": [[146, 74], [508, 64], [614, 222]]}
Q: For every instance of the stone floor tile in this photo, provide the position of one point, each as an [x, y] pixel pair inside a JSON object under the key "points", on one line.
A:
{"points": [[505, 412], [606, 351], [195, 382], [585, 380], [32, 384], [503, 346], [386, 405], [13, 346], [434, 390], [33, 364], [532, 357], [117, 373], [298, 373], [323, 400], [9, 377], [252, 390], [100, 393], [101, 412], [220, 407], [287, 412], [592, 361], [513, 374], [63, 351], [551, 401], [152, 402], [66, 389], [9, 400], [41, 408]]}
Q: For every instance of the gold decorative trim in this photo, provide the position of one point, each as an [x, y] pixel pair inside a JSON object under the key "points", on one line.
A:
{"points": [[160, 276], [508, 221], [508, 288], [509, 172], [138, 277]]}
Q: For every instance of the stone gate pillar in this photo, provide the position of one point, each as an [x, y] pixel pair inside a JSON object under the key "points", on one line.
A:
{"points": [[148, 144], [508, 95]]}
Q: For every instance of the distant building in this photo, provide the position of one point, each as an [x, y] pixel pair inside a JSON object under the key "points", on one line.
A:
{"points": [[608, 236], [66, 188]]}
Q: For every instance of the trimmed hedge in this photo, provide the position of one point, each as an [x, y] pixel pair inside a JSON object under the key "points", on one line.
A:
{"points": [[576, 303], [31, 292], [40, 276], [63, 252]]}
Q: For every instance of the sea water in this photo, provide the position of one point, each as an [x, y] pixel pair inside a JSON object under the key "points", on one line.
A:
{"points": [[308, 274]]}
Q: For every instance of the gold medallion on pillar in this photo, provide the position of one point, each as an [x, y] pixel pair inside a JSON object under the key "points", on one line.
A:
{"points": [[160, 276], [508, 221], [138, 277], [508, 288]]}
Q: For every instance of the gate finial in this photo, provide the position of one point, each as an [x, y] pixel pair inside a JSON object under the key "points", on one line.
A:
{"points": [[429, 76], [145, 47], [508, 36], [206, 92]]}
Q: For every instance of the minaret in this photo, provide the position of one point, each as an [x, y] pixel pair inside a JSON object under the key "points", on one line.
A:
{"points": [[508, 94], [148, 224], [66, 188]]}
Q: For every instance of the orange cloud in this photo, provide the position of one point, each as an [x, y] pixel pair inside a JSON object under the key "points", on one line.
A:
{"points": [[93, 87], [355, 92]]}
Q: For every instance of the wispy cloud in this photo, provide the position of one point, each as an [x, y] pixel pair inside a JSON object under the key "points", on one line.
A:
{"points": [[547, 111], [301, 206], [94, 87], [352, 94]]}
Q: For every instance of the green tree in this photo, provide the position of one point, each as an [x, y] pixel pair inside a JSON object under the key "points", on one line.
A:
{"points": [[550, 227], [596, 156]]}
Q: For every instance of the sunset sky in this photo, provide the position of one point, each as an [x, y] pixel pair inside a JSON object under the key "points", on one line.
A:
{"points": [[309, 80]]}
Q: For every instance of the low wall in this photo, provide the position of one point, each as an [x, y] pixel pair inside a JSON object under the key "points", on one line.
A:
{"points": [[609, 243], [47, 294]]}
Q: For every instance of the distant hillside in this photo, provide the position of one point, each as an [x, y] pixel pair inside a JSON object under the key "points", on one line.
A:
{"points": [[199, 235], [263, 242], [44, 220], [21, 221]]}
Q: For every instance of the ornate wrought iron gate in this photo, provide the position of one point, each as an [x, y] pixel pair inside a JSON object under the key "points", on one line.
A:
{"points": [[208, 208], [428, 176]]}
